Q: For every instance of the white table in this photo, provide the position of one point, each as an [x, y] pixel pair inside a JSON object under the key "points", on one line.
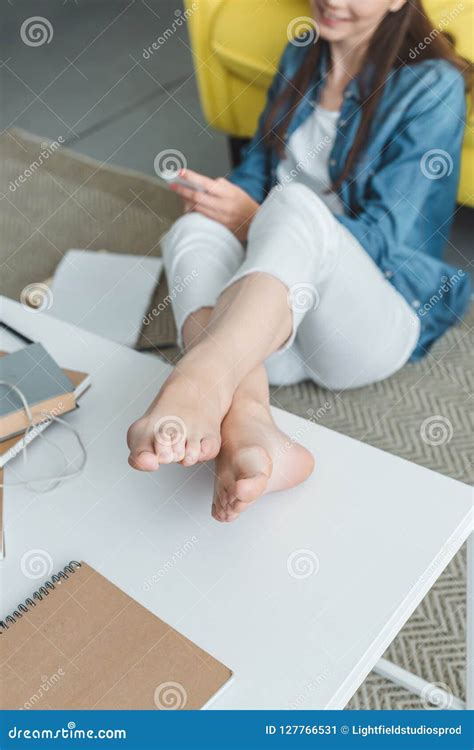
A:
{"points": [[377, 532]]}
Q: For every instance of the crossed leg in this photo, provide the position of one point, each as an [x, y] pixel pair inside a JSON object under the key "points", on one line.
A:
{"points": [[255, 456], [355, 330], [219, 392]]}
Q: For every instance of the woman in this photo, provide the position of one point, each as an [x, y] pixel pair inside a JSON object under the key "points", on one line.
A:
{"points": [[344, 199]]}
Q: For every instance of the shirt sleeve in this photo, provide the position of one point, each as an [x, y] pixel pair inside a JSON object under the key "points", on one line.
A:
{"points": [[420, 164]]}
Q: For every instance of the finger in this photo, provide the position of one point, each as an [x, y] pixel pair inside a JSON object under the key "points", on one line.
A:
{"points": [[209, 203], [193, 196], [211, 213], [207, 183]]}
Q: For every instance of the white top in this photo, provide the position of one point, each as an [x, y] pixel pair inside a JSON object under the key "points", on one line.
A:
{"points": [[307, 156], [319, 578]]}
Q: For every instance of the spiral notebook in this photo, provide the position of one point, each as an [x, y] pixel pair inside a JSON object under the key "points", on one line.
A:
{"points": [[79, 642]]}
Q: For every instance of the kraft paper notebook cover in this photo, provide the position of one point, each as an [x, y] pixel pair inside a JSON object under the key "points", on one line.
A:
{"points": [[82, 643]]}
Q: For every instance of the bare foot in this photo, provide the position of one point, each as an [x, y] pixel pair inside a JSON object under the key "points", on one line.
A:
{"points": [[183, 422], [255, 458]]}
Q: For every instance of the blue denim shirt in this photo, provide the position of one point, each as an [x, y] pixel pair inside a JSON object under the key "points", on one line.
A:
{"points": [[399, 200]]}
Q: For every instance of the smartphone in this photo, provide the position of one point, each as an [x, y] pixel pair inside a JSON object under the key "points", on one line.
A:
{"points": [[186, 183]]}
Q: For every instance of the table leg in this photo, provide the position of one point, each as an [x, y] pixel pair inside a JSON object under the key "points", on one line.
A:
{"points": [[428, 693], [470, 624], [421, 687]]}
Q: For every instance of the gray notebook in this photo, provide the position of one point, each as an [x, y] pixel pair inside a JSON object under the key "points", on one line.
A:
{"points": [[35, 373]]}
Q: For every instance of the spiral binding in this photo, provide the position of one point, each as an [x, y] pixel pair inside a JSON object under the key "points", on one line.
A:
{"points": [[39, 595]]}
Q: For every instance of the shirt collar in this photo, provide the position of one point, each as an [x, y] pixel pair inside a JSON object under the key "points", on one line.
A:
{"points": [[353, 87]]}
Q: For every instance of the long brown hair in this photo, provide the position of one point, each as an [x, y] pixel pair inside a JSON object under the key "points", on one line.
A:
{"points": [[400, 39]]}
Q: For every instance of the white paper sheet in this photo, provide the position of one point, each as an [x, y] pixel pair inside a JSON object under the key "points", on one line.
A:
{"points": [[105, 293]]}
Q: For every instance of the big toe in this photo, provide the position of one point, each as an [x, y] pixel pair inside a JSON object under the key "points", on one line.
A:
{"points": [[249, 489], [140, 442], [246, 481]]}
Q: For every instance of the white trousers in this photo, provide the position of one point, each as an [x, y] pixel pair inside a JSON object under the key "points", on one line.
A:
{"points": [[350, 325]]}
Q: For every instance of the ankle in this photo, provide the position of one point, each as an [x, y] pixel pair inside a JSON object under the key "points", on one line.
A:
{"points": [[203, 359]]}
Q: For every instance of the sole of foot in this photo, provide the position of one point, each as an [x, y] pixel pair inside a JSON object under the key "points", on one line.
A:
{"points": [[255, 458]]}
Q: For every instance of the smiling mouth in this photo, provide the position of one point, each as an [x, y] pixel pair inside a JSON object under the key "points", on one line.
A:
{"points": [[326, 17]]}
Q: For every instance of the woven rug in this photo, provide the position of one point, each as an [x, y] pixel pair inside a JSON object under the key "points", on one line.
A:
{"points": [[421, 414]]}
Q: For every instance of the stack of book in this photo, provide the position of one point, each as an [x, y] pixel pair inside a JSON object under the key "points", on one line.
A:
{"points": [[46, 389]]}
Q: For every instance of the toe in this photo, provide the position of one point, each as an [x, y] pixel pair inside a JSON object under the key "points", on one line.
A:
{"points": [[144, 461], [239, 506], [223, 516], [209, 448], [193, 449], [219, 504], [229, 517], [179, 450], [250, 488], [140, 441], [165, 453]]}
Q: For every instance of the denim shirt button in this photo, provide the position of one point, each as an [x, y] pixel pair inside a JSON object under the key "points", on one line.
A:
{"points": [[342, 123], [416, 303], [388, 274], [332, 162]]}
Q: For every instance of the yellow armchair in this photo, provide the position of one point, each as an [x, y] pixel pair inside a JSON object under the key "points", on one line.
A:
{"points": [[237, 45]]}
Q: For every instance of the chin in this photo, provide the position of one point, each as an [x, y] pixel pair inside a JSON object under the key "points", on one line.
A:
{"points": [[331, 35]]}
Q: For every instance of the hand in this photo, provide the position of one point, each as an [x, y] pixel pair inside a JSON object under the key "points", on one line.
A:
{"points": [[221, 201]]}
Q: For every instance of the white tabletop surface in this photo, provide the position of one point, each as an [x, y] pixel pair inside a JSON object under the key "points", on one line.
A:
{"points": [[376, 530]]}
